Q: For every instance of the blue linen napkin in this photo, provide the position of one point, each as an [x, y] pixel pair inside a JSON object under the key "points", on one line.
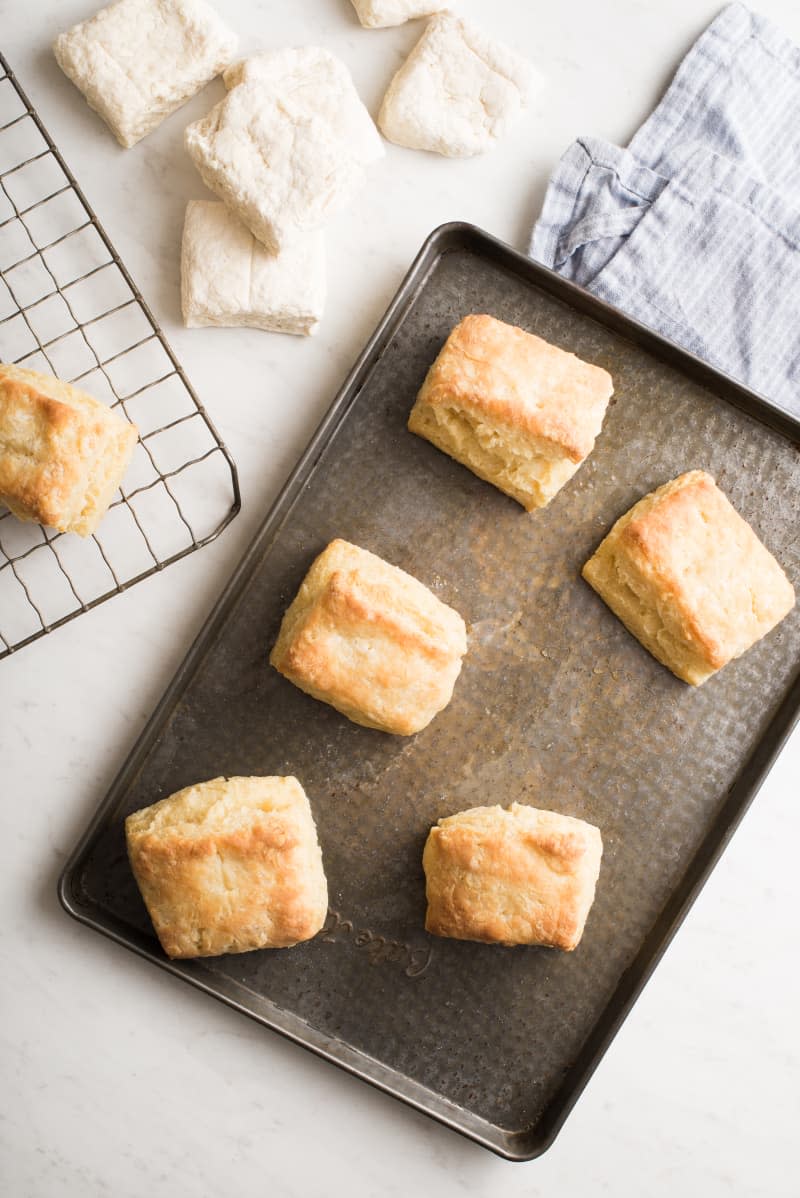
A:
{"points": [[694, 229]]}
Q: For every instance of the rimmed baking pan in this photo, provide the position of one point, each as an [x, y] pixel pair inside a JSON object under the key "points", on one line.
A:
{"points": [[556, 706]]}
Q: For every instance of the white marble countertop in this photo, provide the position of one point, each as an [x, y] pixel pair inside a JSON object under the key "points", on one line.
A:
{"points": [[119, 1080]]}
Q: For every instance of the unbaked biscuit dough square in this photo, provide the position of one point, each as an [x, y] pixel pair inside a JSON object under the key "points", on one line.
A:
{"points": [[62, 452], [519, 412], [289, 144], [371, 640], [515, 875], [378, 14], [229, 865], [458, 91], [686, 574], [138, 60], [228, 278]]}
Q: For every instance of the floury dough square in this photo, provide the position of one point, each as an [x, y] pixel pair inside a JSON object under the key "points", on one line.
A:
{"points": [[228, 278], [289, 144], [378, 14], [138, 60], [458, 91]]}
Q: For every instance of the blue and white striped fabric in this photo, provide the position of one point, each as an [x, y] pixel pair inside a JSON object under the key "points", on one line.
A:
{"points": [[695, 228]]}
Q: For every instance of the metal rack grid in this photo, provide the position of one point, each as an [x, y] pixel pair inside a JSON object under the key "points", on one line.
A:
{"points": [[69, 308]]}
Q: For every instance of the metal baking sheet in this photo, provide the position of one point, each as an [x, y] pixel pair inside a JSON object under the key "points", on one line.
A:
{"points": [[556, 706]]}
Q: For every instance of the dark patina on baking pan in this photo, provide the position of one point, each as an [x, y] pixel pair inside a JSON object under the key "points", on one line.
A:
{"points": [[556, 706]]}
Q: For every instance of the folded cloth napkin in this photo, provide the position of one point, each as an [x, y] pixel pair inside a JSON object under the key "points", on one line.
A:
{"points": [[695, 228]]}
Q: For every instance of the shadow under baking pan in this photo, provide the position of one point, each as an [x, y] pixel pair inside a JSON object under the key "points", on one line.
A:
{"points": [[557, 706]]}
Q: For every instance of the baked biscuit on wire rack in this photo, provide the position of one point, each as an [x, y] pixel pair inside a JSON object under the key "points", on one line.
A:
{"points": [[69, 308]]}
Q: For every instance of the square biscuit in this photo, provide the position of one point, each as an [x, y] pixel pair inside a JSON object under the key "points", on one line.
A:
{"points": [[228, 279], [458, 91], [378, 14], [370, 640], [519, 412], [515, 875], [686, 574], [62, 453], [289, 144], [229, 865], [138, 60]]}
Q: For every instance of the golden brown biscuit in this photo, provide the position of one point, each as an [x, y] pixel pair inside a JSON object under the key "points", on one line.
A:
{"points": [[689, 577], [62, 453], [519, 412], [513, 875], [229, 865], [371, 640]]}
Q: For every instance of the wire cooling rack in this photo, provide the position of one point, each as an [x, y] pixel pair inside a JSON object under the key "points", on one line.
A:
{"points": [[69, 308]]}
